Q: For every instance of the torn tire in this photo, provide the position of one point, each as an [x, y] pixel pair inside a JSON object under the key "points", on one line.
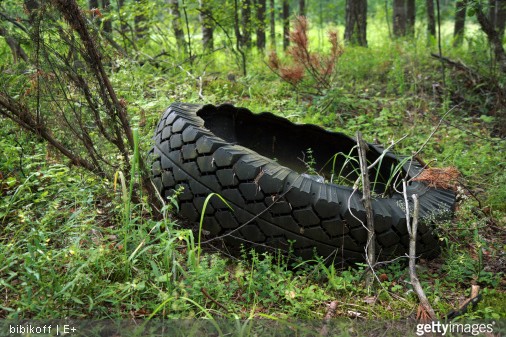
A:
{"points": [[259, 164]]}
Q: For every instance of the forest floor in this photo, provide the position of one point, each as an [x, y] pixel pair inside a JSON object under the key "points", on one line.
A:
{"points": [[68, 250]]}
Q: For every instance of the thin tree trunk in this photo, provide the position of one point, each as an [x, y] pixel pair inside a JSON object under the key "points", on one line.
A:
{"points": [[140, 20], [246, 23], [399, 18], [31, 6], [493, 38], [273, 24], [207, 26], [238, 37], [14, 45], [356, 22], [492, 12], [387, 19], [460, 22], [302, 7], [286, 24], [123, 24], [176, 25], [261, 24], [431, 19], [501, 17], [106, 5], [367, 202], [410, 17]]}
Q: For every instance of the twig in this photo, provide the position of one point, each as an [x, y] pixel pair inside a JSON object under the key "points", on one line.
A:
{"points": [[366, 200], [188, 32], [206, 294], [435, 129], [198, 80], [415, 282], [427, 140], [324, 331], [471, 301], [385, 151], [439, 40]]}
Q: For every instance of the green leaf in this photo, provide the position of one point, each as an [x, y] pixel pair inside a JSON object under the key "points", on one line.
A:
{"points": [[487, 119], [163, 278], [78, 301]]}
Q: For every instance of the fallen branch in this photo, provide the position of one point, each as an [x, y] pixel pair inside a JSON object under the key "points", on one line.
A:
{"points": [[470, 302], [459, 66], [206, 294]]}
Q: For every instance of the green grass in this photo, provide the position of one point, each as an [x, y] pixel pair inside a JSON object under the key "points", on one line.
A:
{"points": [[73, 247]]}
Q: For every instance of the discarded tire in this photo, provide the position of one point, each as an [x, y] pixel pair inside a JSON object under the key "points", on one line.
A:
{"points": [[256, 162]]}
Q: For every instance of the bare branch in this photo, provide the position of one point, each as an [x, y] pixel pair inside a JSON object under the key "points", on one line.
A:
{"points": [[366, 200], [415, 282]]}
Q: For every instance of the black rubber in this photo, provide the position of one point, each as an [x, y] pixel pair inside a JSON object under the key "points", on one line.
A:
{"points": [[254, 162]]}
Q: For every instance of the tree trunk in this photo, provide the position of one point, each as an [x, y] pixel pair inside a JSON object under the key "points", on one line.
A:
{"points": [[14, 45], [176, 25], [93, 4], [207, 26], [501, 17], [302, 7], [399, 18], [493, 38], [246, 23], [410, 17], [273, 24], [431, 19], [123, 24], [460, 22], [356, 22], [238, 37], [286, 24], [492, 12], [140, 20], [32, 5], [106, 5], [261, 24]]}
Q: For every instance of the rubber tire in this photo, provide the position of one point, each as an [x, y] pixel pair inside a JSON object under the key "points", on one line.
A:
{"points": [[275, 207]]}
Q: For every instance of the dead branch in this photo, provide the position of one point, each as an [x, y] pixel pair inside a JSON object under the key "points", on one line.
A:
{"points": [[366, 200], [472, 301], [14, 45], [459, 66], [324, 331], [206, 294], [415, 282], [21, 116]]}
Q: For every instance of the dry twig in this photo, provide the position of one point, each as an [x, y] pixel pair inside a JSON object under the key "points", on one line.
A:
{"points": [[426, 309], [324, 331], [366, 200]]}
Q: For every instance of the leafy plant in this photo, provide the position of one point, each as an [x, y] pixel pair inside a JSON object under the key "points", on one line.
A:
{"points": [[310, 72]]}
